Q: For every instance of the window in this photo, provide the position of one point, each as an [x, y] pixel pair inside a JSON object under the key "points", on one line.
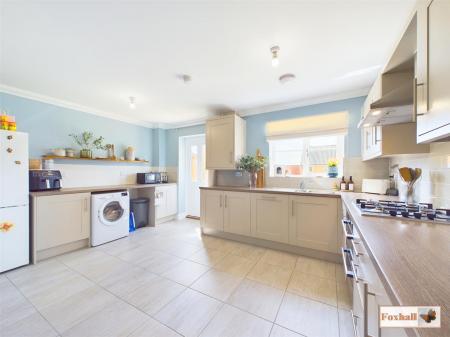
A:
{"points": [[305, 156]]}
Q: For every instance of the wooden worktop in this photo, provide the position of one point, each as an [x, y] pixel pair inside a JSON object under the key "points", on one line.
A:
{"points": [[90, 189], [276, 190], [412, 258]]}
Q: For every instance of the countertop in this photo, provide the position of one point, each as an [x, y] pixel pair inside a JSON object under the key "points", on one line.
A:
{"points": [[278, 190], [89, 189], [412, 258]]}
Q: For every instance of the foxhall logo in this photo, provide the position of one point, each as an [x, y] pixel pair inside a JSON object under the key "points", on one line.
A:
{"points": [[410, 317]]}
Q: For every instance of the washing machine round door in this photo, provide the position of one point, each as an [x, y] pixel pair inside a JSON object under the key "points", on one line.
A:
{"points": [[111, 212]]}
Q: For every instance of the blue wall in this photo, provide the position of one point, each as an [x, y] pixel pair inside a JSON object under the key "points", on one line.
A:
{"points": [[256, 138], [172, 138], [49, 125]]}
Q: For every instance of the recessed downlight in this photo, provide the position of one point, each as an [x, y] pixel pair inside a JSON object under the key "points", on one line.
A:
{"points": [[366, 125], [376, 112], [286, 78]]}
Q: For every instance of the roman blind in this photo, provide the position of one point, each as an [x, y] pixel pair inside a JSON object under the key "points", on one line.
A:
{"points": [[326, 124]]}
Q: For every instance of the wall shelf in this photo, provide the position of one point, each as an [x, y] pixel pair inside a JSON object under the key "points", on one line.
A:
{"points": [[96, 159]]}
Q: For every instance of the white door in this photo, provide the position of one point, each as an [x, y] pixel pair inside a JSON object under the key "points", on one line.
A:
{"points": [[13, 168], [194, 173], [14, 237]]}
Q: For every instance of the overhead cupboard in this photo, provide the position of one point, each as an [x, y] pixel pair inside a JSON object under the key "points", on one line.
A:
{"points": [[225, 142], [303, 221], [412, 92]]}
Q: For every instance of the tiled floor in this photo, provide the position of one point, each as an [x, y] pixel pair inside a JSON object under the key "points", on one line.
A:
{"points": [[170, 281]]}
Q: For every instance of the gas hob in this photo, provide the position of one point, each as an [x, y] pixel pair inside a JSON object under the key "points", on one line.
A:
{"points": [[396, 209]]}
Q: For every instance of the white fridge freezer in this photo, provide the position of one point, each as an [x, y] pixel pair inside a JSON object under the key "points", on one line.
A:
{"points": [[14, 200]]}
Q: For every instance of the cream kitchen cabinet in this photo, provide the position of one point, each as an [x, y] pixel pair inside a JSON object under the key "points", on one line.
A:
{"points": [[165, 201], [237, 213], [61, 219], [433, 70], [313, 223], [226, 211], [269, 217], [225, 142]]}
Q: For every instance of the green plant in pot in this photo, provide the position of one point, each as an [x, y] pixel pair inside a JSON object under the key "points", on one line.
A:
{"points": [[251, 164], [87, 142]]}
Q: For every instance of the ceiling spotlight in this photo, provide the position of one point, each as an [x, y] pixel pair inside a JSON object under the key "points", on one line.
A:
{"points": [[275, 61], [286, 78], [366, 125], [185, 78], [132, 103]]}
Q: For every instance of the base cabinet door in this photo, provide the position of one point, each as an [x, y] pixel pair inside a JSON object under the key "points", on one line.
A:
{"points": [[212, 209], [313, 223], [270, 217], [62, 219], [237, 213]]}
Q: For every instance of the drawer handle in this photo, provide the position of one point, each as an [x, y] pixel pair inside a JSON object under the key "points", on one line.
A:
{"points": [[348, 235], [348, 270]]}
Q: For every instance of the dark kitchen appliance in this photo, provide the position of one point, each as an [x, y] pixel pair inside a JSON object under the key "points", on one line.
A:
{"points": [[403, 211], [149, 178], [44, 180]]}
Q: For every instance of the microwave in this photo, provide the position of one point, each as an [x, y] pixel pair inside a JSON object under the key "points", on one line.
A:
{"points": [[149, 178]]}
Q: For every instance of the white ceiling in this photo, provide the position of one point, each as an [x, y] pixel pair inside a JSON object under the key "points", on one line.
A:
{"points": [[97, 54]]}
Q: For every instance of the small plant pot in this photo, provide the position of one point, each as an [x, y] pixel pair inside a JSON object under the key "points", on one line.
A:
{"points": [[332, 171], [85, 153]]}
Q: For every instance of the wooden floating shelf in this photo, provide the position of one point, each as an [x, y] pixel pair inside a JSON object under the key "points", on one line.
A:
{"points": [[96, 159]]}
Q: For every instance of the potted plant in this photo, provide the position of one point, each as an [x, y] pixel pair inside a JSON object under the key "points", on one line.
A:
{"points": [[332, 168], [87, 142], [251, 164]]}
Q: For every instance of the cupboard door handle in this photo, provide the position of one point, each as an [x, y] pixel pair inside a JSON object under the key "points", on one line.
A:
{"points": [[292, 207], [348, 272], [226, 198], [85, 205], [220, 202]]}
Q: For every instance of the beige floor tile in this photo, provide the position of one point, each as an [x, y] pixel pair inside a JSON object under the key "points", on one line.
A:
{"points": [[217, 284], [232, 322], [181, 249], [140, 253], [159, 262], [308, 317], [207, 256], [153, 328], [235, 265], [33, 325], [316, 267], [278, 331], [13, 305], [281, 259], [119, 246], [65, 314], [124, 283], [258, 299], [345, 323], [313, 287], [186, 272], [154, 295], [189, 313], [117, 320], [271, 275], [219, 244], [344, 297], [249, 252]]}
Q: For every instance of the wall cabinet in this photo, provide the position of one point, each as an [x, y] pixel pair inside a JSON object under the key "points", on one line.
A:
{"points": [[270, 217], [388, 140], [225, 142], [313, 222], [226, 211], [166, 201], [62, 219], [433, 70]]}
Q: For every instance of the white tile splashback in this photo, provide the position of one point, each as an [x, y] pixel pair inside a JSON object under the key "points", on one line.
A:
{"points": [[76, 175], [434, 185]]}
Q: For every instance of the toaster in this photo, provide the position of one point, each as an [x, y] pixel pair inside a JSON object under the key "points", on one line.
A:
{"points": [[44, 180]]}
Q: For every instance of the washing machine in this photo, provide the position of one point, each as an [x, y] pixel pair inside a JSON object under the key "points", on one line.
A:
{"points": [[110, 213]]}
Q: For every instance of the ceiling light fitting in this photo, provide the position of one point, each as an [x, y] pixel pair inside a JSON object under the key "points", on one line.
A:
{"points": [[275, 61], [132, 103]]}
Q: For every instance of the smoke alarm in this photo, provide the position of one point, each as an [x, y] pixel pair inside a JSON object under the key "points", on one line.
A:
{"points": [[286, 78]]}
